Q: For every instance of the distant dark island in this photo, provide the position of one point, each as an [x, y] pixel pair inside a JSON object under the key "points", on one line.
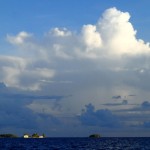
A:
{"points": [[8, 136], [94, 136]]}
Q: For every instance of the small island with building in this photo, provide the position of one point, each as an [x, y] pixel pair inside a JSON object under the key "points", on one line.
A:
{"points": [[35, 135]]}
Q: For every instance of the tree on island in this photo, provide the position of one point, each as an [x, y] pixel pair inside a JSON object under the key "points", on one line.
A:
{"points": [[35, 135]]}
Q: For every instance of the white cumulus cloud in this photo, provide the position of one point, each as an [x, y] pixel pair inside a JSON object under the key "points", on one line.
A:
{"points": [[19, 39], [111, 43]]}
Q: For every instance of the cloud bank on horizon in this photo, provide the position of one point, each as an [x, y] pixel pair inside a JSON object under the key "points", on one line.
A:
{"points": [[102, 60]]}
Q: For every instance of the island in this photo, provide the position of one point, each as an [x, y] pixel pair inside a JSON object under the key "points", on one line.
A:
{"points": [[34, 135], [8, 136], [94, 136]]}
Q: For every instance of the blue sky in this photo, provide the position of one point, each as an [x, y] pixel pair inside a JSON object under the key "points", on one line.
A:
{"points": [[72, 68], [37, 16]]}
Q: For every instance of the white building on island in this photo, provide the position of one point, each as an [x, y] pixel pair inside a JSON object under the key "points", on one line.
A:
{"points": [[41, 136], [26, 136]]}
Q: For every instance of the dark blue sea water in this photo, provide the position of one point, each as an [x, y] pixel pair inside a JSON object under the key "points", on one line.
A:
{"points": [[75, 144]]}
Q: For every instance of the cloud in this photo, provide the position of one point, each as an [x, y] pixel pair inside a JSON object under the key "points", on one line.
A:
{"points": [[111, 43], [60, 32], [91, 38], [119, 35], [19, 39], [124, 102], [105, 56], [91, 65], [101, 118], [16, 113], [18, 72], [136, 116], [131, 95], [29, 97], [146, 124], [116, 97], [145, 105], [112, 35]]}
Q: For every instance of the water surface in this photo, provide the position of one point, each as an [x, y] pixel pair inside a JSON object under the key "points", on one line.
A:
{"points": [[75, 144]]}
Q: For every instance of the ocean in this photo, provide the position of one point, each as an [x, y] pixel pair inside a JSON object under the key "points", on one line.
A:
{"points": [[75, 144]]}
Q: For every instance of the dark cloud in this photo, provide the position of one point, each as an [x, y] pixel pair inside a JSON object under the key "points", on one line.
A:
{"points": [[146, 124], [135, 117], [14, 112], [102, 117], [49, 119], [131, 95], [124, 102], [116, 97], [2, 85], [16, 115], [145, 105], [30, 97]]}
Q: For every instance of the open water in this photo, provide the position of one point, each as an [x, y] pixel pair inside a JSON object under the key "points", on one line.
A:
{"points": [[75, 144]]}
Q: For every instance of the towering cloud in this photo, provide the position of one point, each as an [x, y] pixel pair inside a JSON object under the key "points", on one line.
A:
{"points": [[111, 39]]}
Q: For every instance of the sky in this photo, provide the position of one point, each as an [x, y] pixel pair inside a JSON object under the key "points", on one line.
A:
{"points": [[74, 68]]}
